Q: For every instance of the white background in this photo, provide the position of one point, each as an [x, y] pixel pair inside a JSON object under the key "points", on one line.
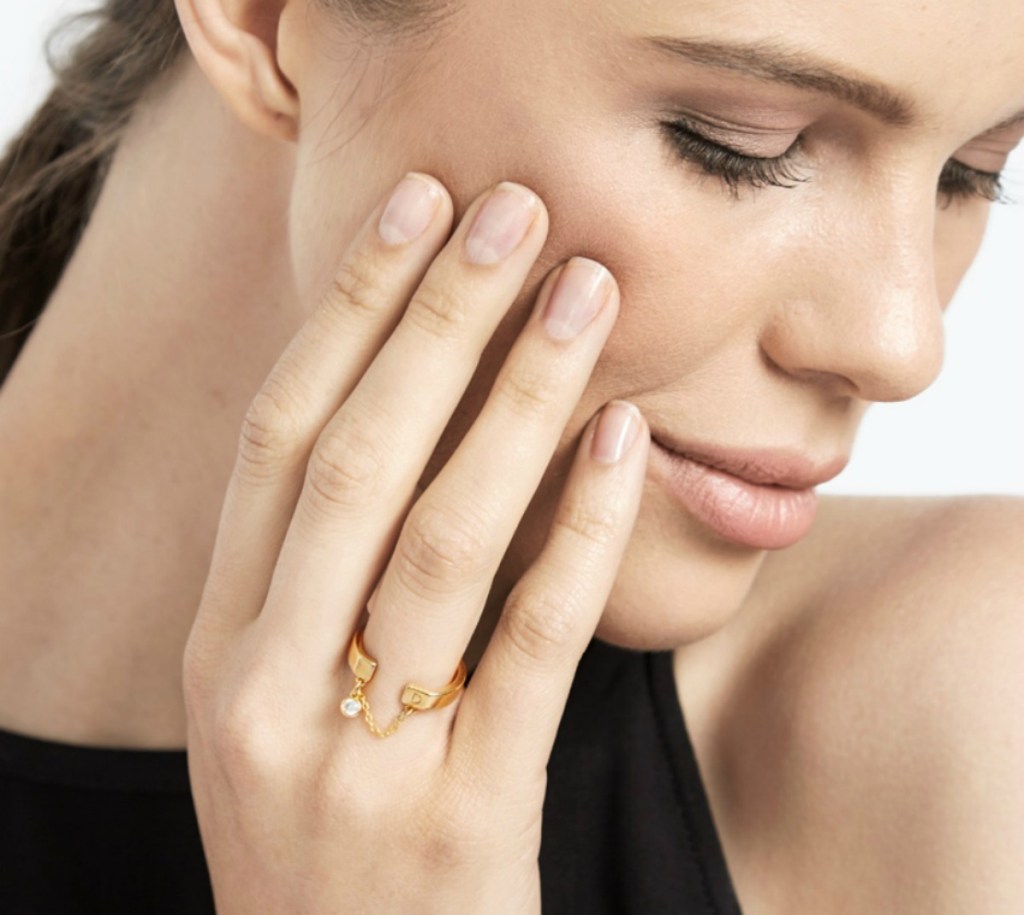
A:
{"points": [[964, 434]]}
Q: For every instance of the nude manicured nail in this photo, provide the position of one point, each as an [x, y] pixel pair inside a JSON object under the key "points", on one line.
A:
{"points": [[579, 293], [616, 431], [409, 211], [501, 224]]}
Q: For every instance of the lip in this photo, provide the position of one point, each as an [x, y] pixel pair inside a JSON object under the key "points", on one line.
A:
{"points": [[764, 467], [771, 506]]}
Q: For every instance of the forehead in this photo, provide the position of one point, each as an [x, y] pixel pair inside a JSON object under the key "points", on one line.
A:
{"points": [[963, 56]]}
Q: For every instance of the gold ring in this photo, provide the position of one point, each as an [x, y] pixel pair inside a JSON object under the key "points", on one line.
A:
{"points": [[414, 698]]}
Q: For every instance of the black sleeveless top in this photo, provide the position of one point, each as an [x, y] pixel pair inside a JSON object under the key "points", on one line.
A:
{"points": [[626, 828]]}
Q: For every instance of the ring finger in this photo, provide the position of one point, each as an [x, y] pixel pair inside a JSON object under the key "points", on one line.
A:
{"points": [[454, 538], [369, 456]]}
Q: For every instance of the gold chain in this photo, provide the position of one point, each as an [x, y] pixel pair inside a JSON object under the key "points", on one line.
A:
{"points": [[360, 696]]}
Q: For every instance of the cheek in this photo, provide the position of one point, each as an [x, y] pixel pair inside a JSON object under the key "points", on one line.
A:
{"points": [[958, 236], [690, 266], [688, 298], [325, 213], [694, 271]]}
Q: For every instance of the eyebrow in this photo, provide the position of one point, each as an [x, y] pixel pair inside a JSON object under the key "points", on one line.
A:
{"points": [[805, 71], [796, 68]]}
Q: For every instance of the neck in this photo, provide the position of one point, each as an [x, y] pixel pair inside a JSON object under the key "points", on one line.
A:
{"points": [[120, 420]]}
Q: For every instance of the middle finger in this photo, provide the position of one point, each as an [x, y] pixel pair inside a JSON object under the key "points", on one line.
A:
{"points": [[454, 538], [370, 455]]}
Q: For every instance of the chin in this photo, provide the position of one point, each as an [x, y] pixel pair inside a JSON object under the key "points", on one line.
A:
{"points": [[677, 584]]}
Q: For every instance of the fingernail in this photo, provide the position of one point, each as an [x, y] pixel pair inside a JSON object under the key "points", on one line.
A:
{"points": [[409, 211], [616, 431], [581, 290], [501, 224]]}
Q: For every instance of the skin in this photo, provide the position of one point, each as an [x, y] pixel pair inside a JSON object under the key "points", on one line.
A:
{"points": [[259, 164]]}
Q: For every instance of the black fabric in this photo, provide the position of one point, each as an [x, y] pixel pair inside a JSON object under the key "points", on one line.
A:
{"points": [[92, 830], [627, 826]]}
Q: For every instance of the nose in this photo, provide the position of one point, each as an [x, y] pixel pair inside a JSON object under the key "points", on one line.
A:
{"points": [[862, 315]]}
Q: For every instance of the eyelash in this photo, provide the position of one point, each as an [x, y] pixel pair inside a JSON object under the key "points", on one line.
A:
{"points": [[956, 182]]}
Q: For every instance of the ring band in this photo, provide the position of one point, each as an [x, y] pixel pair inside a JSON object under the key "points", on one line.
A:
{"points": [[414, 698]]}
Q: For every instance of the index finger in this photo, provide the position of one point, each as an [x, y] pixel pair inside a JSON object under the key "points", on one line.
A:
{"points": [[315, 374]]}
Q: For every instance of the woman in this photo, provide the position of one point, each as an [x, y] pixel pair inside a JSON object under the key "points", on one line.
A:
{"points": [[770, 204]]}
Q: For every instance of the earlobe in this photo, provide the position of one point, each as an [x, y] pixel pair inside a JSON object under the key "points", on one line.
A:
{"points": [[235, 44]]}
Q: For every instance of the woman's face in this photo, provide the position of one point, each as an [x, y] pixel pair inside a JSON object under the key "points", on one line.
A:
{"points": [[752, 315]]}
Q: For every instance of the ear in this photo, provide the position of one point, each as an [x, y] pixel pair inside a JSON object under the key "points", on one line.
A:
{"points": [[235, 44]]}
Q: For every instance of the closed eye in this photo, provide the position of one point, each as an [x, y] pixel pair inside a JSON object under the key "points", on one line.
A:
{"points": [[735, 169]]}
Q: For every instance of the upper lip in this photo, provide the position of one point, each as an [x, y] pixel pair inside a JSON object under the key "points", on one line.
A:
{"points": [[776, 466]]}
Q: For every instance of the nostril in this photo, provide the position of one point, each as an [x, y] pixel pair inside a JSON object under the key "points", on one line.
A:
{"points": [[837, 384]]}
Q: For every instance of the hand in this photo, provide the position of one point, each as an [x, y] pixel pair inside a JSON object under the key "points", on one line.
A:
{"points": [[302, 809]]}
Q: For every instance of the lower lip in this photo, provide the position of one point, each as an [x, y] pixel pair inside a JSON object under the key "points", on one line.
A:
{"points": [[763, 517]]}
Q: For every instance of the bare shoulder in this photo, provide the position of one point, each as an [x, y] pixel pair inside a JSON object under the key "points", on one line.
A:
{"points": [[899, 541], [875, 752]]}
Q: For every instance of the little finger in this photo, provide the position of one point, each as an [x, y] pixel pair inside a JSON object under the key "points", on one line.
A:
{"points": [[509, 715]]}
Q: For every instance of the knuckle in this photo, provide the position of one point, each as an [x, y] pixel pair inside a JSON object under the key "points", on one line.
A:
{"points": [[458, 822], [270, 433], [196, 677], [452, 839], [243, 739], [441, 547], [441, 313], [528, 390], [355, 288], [335, 794], [541, 626], [347, 467], [592, 525]]}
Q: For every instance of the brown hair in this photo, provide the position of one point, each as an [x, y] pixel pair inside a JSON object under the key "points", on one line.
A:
{"points": [[52, 172]]}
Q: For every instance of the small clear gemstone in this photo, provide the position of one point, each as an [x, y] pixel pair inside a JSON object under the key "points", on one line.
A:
{"points": [[351, 707]]}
